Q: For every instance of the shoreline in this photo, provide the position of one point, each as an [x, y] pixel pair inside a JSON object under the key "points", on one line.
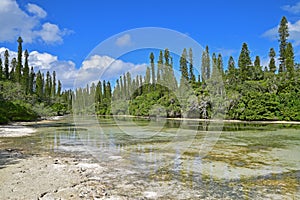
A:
{"points": [[207, 120], [21, 129]]}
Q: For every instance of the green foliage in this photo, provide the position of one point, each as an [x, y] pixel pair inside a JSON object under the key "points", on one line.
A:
{"points": [[245, 63], [245, 93], [272, 66], [25, 96], [16, 111], [205, 65], [283, 35]]}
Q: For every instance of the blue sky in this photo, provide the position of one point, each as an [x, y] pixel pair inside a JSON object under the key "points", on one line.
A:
{"points": [[70, 30]]}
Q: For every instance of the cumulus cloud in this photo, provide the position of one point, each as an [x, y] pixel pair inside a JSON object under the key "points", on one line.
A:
{"points": [[106, 68], [294, 30], [51, 33], [66, 71], [124, 40], [295, 9], [36, 10], [27, 23], [92, 70]]}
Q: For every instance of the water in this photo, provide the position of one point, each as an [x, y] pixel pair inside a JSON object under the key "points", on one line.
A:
{"points": [[179, 159]]}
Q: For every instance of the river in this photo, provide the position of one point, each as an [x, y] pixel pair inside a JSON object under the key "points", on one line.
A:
{"points": [[177, 159]]}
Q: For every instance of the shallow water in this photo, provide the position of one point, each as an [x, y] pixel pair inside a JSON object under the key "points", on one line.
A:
{"points": [[178, 159]]}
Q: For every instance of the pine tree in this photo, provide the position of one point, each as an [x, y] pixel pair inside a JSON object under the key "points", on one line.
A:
{"points": [[1, 70], [152, 68], [272, 66], [183, 66], [58, 94], [138, 84], [290, 59], [283, 35], [147, 76], [191, 66], [129, 83], [6, 64], [98, 93], [160, 67], [244, 63], [53, 88], [108, 90], [141, 84], [25, 77], [13, 65], [220, 64], [124, 87], [231, 75], [215, 70], [48, 86], [19, 62], [117, 91], [104, 89], [31, 81], [205, 65], [258, 74], [39, 85]]}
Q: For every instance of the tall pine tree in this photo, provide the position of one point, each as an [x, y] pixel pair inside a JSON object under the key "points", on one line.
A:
{"points": [[283, 35], [19, 61], [1, 70], [25, 76], [272, 65], [152, 68], [53, 88], [39, 85], [244, 63], [290, 59], [183, 66], [6, 64], [191, 67], [205, 65], [13, 65]]}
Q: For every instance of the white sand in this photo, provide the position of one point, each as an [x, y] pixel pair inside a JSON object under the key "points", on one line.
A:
{"points": [[15, 131]]}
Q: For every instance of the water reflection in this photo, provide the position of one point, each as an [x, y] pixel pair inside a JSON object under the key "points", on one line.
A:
{"points": [[237, 166]]}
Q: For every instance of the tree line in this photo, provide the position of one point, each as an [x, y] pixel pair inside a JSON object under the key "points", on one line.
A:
{"points": [[27, 95], [249, 91]]}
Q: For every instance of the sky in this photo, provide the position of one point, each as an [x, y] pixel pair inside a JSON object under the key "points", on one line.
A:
{"points": [[62, 35]]}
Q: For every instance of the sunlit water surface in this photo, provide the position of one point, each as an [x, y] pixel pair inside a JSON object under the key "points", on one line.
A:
{"points": [[179, 159]]}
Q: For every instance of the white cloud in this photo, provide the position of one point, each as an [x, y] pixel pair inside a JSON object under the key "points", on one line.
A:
{"points": [[92, 70], [66, 71], [36, 10], [51, 33], [106, 68], [295, 9], [124, 40], [16, 22], [294, 30]]}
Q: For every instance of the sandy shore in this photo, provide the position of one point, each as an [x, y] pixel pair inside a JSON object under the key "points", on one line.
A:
{"points": [[15, 130], [20, 129], [45, 177]]}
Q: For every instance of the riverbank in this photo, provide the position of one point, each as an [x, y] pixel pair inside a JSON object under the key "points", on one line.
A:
{"points": [[57, 163], [46, 177], [20, 129], [207, 120]]}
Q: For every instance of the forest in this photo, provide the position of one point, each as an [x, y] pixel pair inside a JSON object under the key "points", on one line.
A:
{"points": [[245, 91], [26, 95]]}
